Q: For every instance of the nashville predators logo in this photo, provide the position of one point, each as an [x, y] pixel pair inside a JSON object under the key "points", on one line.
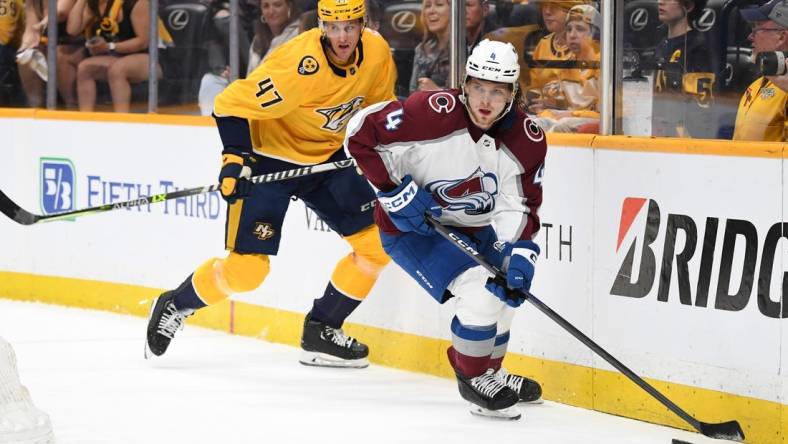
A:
{"points": [[308, 66], [338, 116], [263, 230]]}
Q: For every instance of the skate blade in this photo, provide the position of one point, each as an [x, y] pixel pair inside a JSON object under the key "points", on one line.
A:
{"points": [[316, 359], [148, 352], [508, 414], [534, 402]]}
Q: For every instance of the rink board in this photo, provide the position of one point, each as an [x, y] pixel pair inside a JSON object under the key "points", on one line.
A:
{"points": [[614, 210]]}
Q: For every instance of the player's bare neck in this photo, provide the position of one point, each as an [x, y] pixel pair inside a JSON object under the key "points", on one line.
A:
{"points": [[333, 58]]}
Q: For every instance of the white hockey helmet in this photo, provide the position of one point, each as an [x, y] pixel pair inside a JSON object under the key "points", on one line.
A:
{"points": [[496, 62], [493, 61]]}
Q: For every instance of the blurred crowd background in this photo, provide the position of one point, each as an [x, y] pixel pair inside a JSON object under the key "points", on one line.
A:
{"points": [[682, 65]]}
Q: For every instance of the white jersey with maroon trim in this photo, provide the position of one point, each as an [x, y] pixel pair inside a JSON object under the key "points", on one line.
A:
{"points": [[479, 178]]}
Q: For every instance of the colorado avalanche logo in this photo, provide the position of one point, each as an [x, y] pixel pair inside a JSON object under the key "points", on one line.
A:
{"points": [[532, 130], [475, 194], [442, 102]]}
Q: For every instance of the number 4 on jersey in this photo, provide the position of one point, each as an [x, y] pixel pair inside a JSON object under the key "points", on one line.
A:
{"points": [[393, 120], [539, 175]]}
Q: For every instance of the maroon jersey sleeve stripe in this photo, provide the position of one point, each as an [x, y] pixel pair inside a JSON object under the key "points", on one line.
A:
{"points": [[528, 145]]}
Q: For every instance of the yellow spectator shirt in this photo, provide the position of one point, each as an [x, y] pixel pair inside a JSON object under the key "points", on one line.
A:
{"points": [[298, 103], [762, 113], [12, 22], [547, 49]]}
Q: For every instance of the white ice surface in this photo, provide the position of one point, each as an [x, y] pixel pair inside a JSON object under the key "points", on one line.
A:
{"points": [[86, 369]]}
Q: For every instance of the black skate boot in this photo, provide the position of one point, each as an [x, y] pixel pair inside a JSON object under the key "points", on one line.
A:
{"points": [[489, 396], [324, 346], [164, 320], [528, 390]]}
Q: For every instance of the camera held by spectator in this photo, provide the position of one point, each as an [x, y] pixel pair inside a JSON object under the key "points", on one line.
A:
{"points": [[772, 63]]}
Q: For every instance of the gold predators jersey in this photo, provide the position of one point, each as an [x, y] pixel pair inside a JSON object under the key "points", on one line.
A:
{"points": [[298, 103], [12, 22]]}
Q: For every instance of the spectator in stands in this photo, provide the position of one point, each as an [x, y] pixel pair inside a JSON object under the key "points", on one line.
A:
{"points": [[374, 14], [577, 89], [11, 28], [552, 47], [684, 76], [117, 47], [523, 29], [70, 51], [508, 13], [218, 41], [476, 12], [278, 23], [763, 113], [431, 59], [307, 21]]}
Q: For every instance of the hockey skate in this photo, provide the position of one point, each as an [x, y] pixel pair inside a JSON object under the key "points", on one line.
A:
{"points": [[489, 396], [528, 390], [164, 320], [324, 346]]}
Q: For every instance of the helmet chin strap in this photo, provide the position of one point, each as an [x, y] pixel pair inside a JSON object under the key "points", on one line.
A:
{"points": [[464, 101]]}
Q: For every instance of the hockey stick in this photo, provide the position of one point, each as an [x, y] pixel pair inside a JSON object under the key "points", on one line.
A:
{"points": [[724, 430], [18, 214]]}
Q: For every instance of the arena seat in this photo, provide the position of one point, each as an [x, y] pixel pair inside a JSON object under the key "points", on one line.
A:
{"points": [[186, 61], [402, 28]]}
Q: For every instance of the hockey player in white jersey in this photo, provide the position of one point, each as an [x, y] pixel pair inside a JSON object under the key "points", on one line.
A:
{"points": [[472, 159]]}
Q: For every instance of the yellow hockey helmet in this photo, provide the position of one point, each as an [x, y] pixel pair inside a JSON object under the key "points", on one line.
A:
{"points": [[340, 10]]}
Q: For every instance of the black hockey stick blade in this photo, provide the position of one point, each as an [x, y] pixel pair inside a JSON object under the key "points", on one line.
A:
{"points": [[15, 212], [723, 430], [19, 215]]}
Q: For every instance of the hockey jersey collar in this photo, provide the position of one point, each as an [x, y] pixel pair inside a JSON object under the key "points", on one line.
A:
{"points": [[354, 67]]}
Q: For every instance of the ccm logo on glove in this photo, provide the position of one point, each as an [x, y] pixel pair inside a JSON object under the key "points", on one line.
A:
{"points": [[401, 199], [407, 206]]}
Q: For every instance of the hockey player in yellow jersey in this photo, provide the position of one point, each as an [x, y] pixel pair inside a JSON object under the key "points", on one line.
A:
{"points": [[317, 89], [292, 111]]}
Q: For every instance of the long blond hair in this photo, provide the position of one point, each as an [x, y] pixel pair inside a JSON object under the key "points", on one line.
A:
{"points": [[427, 34]]}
